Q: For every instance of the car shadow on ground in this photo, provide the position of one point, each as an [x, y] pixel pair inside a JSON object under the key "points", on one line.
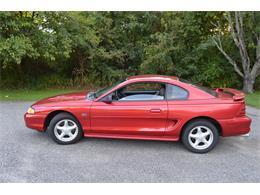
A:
{"points": [[126, 144], [43, 136]]}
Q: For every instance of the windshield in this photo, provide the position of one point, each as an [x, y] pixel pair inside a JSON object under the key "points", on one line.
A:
{"points": [[102, 91], [206, 89]]}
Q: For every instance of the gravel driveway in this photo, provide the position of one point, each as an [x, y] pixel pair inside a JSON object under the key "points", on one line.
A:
{"points": [[30, 156]]}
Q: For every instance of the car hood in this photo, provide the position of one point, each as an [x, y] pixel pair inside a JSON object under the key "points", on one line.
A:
{"points": [[63, 98]]}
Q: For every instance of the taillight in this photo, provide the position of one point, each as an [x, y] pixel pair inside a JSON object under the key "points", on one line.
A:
{"points": [[242, 111]]}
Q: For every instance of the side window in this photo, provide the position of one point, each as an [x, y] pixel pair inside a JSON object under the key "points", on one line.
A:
{"points": [[141, 91], [143, 86], [176, 93]]}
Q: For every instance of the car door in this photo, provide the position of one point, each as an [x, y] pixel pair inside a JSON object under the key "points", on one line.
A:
{"points": [[145, 114]]}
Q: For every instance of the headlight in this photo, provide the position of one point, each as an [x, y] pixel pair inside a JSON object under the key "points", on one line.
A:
{"points": [[30, 111]]}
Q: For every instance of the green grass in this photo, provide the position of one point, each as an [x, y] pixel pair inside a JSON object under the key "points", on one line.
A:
{"points": [[253, 99], [31, 94]]}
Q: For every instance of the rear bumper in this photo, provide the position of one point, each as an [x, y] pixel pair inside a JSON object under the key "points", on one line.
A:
{"points": [[34, 121], [235, 126]]}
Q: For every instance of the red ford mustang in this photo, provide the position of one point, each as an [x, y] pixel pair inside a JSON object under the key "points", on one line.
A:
{"points": [[151, 107]]}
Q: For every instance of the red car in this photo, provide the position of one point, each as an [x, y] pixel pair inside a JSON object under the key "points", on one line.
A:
{"points": [[150, 107]]}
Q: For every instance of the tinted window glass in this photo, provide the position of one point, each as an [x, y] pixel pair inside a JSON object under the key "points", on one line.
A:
{"points": [[143, 86], [176, 93], [205, 89], [140, 91]]}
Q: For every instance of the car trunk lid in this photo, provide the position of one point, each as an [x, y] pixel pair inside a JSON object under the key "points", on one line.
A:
{"points": [[236, 95]]}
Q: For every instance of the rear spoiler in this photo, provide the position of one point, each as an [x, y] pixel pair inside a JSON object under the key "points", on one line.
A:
{"points": [[236, 94]]}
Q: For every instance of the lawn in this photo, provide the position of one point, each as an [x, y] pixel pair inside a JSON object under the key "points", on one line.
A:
{"points": [[31, 94], [253, 99]]}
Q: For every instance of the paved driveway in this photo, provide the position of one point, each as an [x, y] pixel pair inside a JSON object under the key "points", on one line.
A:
{"points": [[30, 156]]}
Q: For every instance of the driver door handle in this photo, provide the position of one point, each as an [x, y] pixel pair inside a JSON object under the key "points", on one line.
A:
{"points": [[155, 110]]}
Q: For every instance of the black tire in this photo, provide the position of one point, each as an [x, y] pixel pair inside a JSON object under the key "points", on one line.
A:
{"points": [[207, 125], [59, 118]]}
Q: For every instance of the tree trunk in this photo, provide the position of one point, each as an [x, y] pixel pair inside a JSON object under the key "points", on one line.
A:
{"points": [[81, 72], [249, 70], [248, 85]]}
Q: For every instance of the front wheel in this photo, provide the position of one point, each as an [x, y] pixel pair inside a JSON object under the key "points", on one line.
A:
{"points": [[65, 129], [200, 136]]}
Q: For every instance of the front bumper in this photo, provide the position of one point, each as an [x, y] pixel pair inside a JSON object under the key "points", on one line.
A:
{"points": [[34, 121], [235, 126]]}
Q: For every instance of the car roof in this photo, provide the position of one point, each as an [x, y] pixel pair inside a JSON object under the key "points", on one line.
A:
{"points": [[152, 76]]}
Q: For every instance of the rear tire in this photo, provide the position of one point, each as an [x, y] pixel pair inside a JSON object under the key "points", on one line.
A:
{"points": [[200, 136], [65, 129]]}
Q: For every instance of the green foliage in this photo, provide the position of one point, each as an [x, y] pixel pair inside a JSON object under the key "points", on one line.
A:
{"points": [[65, 49], [32, 35], [13, 49]]}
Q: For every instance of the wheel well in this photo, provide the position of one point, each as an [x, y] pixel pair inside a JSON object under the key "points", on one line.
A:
{"points": [[53, 114], [213, 121]]}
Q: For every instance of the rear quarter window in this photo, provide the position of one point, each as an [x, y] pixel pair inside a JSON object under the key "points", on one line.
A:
{"points": [[176, 93], [202, 88]]}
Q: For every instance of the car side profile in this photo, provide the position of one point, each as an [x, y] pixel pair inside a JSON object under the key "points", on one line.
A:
{"points": [[149, 107]]}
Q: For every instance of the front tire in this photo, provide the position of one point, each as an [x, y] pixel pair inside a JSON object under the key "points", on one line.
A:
{"points": [[200, 136], [65, 129]]}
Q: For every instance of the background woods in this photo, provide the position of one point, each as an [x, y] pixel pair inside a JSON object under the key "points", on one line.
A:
{"points": [[77, 49]]}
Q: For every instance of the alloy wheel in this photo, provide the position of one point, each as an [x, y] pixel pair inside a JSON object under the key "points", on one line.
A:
{"points": [[200, 137], [66, 130]]}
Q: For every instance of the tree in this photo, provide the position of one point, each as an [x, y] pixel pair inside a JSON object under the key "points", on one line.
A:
{"points": [[34, 37], [60, 49], [245, 32], [180, 46], [84, 42]]}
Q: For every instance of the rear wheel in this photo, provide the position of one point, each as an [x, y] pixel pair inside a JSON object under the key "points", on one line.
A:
{"points": [[65, 129], [200, 136]]}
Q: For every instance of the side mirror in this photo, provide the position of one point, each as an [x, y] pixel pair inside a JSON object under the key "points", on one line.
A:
{"points": [[107, 99]]}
